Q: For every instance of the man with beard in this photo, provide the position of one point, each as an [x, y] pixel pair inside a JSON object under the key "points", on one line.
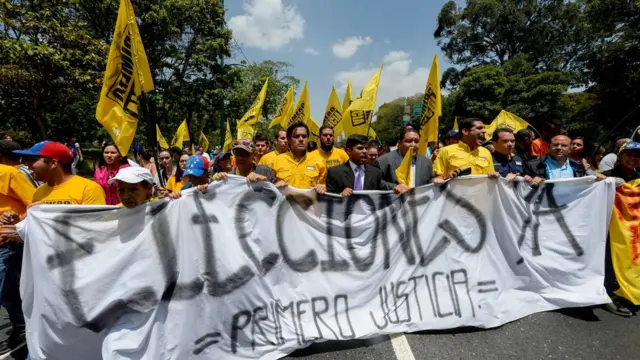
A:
{"points": [[330, 155], [467, 155]]}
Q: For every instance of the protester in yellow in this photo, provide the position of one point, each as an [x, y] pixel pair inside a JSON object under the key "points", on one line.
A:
{"points": [[282, 146], [175, 182], [468, 154], [296, 168], [51, 163], [16, 191], [135, 186], [330, 155]]}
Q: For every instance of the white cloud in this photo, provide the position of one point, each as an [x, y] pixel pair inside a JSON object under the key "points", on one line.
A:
{"points": [[267, 24], [346, 48], [394, 56], [398, 79], [387, 42], [311, 51]]}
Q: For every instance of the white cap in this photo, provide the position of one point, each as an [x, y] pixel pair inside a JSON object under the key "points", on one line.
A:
{"points": [[133, 175]]}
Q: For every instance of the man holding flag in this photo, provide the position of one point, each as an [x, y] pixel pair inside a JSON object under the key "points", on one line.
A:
{"points": [[421, 171]]}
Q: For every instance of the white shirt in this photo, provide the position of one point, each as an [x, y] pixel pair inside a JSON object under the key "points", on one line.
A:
{"points": [[608, 162]]}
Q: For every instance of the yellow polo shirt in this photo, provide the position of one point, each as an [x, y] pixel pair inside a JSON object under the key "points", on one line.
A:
{"points": [[335, 158], [268, 158], [16, 192], [304, 174], [459, 156], [75, 191]]}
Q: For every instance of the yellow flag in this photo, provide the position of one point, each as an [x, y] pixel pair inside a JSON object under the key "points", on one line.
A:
{"points": [[255, 111], [182, 135], [346, 102], [333, 112], [228, 139], [455, 124], [624, 232], [403, 172], [506, 120], [126, 78], [284, 109], [356, 119], [302, 112], [246, 131], [203, 141], [431, 108], [161, 140], [314, 131]]}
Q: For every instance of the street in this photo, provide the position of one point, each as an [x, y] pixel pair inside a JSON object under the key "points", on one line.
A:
{"points": [[566, 334]]}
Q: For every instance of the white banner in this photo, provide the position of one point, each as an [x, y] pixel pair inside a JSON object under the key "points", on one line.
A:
{"points": [[245, 272]]}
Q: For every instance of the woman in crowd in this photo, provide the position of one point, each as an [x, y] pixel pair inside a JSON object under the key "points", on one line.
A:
{"points": [[110, 164], [627, 167], [578, 151], [596, 156], [166, 167], [175, 182], [143, 157], [135, 186]]}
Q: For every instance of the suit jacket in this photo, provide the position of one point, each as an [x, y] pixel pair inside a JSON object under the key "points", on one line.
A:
{"points": [[341, 177], [389, 162]]}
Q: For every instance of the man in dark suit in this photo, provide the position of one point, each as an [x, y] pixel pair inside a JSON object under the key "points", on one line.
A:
{"points": [[422, 168], [355, 174]]}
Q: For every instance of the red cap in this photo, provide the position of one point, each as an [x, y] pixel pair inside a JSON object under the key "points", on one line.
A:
{"points": [[49, 149]]}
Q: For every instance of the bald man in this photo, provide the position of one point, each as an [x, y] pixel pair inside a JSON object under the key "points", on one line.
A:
{"points": [[555, 165]]}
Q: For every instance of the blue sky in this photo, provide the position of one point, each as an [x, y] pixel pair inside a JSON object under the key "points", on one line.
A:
{"points": [[330, 41]]}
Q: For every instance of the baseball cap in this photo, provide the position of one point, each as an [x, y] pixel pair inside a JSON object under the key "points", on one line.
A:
{"points": [[222, 155], [244, 144], [452, 133], [630, 146], [49, 149], [133, 175], [196, 165]]}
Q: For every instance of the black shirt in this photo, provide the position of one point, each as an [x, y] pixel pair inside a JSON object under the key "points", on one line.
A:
{"points": [[619, 173], [507, 166]]}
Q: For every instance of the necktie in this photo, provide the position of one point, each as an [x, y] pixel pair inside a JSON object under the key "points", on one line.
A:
{"points": [[358, 184]]}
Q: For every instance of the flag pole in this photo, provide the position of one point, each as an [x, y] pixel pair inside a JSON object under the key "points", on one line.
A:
{"points": [[152, 133]]}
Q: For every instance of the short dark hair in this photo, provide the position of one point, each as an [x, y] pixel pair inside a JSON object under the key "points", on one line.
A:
{"points": [[174, 150], [467, 123], [523, 135], [260, 137], [145, 154], [293, 128], [66, 167], [496, 134], [578, 138], [355, 140], [373, 143], [406, 130], [414, 126], [323, 127], [7, 147]]}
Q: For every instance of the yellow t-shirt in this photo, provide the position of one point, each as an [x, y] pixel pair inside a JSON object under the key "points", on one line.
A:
{"points": [[172, 185], [16, 191], [75, 191], [268, 158], [459, 156], [307, 173], [335, 158]]}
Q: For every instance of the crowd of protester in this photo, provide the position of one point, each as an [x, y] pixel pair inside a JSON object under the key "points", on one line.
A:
{"points": [[46, 174]]}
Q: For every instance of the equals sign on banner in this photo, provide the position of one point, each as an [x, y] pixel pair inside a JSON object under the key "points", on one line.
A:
{"points": [[487, 286]]}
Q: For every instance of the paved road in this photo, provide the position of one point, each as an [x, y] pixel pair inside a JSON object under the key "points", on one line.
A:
{"points": [[585, 334], [568, 334]]}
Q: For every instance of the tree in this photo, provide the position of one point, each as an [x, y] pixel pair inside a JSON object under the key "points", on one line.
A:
{"points": [[48, 61]]}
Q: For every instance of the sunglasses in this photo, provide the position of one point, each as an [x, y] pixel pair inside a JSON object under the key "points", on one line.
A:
{"points": [[243, 142]]}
